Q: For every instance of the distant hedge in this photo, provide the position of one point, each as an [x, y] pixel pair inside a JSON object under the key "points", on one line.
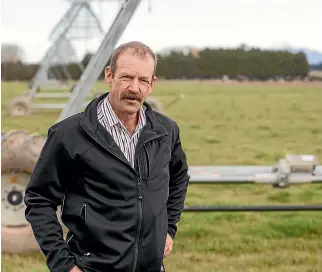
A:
{"points": [[206, 64]]}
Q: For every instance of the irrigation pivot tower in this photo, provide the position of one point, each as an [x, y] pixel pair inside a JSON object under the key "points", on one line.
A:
{"points": [[78, 23]]}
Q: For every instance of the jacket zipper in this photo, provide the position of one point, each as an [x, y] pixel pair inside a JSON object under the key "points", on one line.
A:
{"points": [[138, 234]]}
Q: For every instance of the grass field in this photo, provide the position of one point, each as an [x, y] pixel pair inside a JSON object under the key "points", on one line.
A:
{"points": [[224, 124]]}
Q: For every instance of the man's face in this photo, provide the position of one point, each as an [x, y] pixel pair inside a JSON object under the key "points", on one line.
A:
{"points": [[132, 82]]}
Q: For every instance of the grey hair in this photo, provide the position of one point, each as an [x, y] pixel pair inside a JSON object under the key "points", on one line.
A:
{"points": [[137, 48]]}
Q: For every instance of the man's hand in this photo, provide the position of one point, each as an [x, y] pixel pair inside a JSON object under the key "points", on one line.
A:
{"points": [[76, 269], [168, 246]]}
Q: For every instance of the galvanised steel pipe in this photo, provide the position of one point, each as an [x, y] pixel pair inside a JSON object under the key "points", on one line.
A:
{"points": [[263, 208], [268, 178]]}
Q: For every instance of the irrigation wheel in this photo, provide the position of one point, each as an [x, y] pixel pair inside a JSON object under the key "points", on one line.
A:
{"points": [[20, 152], [20, 106]]}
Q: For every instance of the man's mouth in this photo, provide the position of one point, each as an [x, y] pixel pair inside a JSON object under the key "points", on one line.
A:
{"points": [[131, 99]]}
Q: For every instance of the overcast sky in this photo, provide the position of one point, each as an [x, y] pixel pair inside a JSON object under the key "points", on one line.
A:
{"points": [[200, 23]]}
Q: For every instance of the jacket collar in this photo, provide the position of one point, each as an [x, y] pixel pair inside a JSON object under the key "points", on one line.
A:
{"points": [[154, 128]]}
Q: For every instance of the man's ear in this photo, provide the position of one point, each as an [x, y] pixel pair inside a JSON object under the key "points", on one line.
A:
{"points": [[108, 76], [154, 81]]}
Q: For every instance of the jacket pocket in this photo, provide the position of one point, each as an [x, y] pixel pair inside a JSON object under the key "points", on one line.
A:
{"points": [[85, 240], [83, 215], [69, 238], [155, 160]]}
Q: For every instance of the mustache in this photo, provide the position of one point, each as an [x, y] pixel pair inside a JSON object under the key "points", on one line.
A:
{"points": [[133, 96]]}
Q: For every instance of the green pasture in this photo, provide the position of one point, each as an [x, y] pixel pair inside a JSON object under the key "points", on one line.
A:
{"points": [[220, 125]]}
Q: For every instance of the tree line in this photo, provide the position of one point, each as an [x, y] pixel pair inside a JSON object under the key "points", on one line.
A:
{"points": [[237, 63]]}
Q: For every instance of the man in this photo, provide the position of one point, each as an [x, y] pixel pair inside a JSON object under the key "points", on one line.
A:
{"points": [[119, 173]]}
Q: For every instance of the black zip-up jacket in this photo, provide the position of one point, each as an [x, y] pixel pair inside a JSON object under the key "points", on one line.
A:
{"points": [[118, 217]]}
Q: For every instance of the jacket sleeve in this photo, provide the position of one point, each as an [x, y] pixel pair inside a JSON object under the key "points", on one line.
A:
{"points": [[43, 194], [178, 186]]}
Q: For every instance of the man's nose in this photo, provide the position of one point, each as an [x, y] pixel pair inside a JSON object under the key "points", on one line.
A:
{"points": [[134, 85]]}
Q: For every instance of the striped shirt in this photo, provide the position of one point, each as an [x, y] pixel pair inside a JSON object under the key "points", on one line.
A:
{"points": [[127, 142]]}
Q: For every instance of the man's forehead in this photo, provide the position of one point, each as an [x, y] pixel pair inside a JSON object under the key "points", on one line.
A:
{"points": [[136, 56], [135, 64]]}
